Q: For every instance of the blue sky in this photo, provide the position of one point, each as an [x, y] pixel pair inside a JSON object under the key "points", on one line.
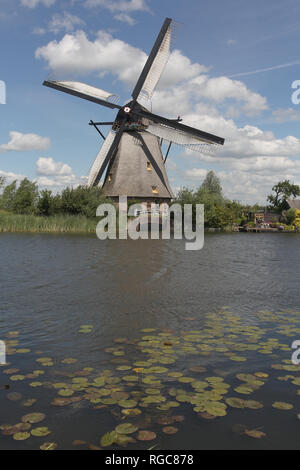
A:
{"points": [[215, 79]]}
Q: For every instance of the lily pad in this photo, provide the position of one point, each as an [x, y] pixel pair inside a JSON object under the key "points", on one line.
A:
{"points": [[48, 446], [254, 433], [108, 439], [40, 432], [21, 436], [282, 406], [170, 430], [126, 428], [33, 418], [146, 436]]}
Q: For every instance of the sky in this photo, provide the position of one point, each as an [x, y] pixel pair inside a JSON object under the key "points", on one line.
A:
{"points": [[230, 73]]}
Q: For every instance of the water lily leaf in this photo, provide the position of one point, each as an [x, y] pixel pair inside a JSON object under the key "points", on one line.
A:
{"points": [[21, 436], [29, 402], [33, 418], [261, 375], [127, 403], [15, 378], [48, 446], [170, 430], [40, 432], [14, 396], [130, 378], [254, 433], [69, 360], [35, 384], [65, 392], [123, 440], [10, 371], [146, 436], [108, 439], [124, 367], [78, 442], [282, 406], [61, 401], [199, 369], [126, 428], [235, 402], [253, 405], [244, 390], [206, 416], [186, 380], [131, 411]]}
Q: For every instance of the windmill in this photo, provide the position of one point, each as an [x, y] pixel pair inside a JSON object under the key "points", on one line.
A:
{"points": [[130, 160]]}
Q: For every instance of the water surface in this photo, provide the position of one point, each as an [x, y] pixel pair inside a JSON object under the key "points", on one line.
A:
{"points": [[51, 285]]}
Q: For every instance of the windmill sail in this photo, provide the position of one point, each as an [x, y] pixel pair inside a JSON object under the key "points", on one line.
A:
{"points": [[86, 92], [96, 167], [155, 65], [181, 137]]}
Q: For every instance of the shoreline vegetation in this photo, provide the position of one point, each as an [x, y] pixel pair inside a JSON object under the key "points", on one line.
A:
{"points": [[24, 208], [22, 223]]}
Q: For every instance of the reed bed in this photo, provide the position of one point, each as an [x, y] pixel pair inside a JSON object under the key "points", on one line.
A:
{"points": [[38, 224]]}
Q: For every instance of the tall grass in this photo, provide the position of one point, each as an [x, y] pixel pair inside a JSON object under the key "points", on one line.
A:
{"points": [[56, 223]]}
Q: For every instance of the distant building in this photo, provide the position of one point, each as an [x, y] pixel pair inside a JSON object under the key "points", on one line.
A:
{"points": [[293, 203]]}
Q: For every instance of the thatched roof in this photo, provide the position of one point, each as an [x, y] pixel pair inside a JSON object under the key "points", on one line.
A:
{"points": [[293, 203], [129, 173]]}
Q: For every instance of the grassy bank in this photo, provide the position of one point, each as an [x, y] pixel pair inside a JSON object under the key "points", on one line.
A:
{"points": [[37, 224]]}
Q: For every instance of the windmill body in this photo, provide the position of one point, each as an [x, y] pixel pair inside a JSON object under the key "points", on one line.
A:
{"points": [[130, 162]]}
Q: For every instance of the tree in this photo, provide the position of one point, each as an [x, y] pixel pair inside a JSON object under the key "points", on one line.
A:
{"points": [[2, 181], [26, 197], [45, 203], [283, 190], [212, 184], [82, 200], [8, 195]]}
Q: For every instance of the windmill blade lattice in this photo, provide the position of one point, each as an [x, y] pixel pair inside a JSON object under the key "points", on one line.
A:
{"points": [[155, 64], [95, 169], [87, 92]]}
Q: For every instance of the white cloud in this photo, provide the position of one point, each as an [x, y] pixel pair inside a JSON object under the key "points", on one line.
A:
{"points": [[56, 175], [76, 54], [285, 115], [196, 173], [119, 5], [57, 183], [25, 142], [48, 167], [34, 3], [64, 22], [39, 31], [125, 18], [10, 176]]}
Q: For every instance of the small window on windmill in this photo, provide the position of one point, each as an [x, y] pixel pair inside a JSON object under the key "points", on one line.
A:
{"points": [[110, 177], [154, 190], [149, 167]]}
